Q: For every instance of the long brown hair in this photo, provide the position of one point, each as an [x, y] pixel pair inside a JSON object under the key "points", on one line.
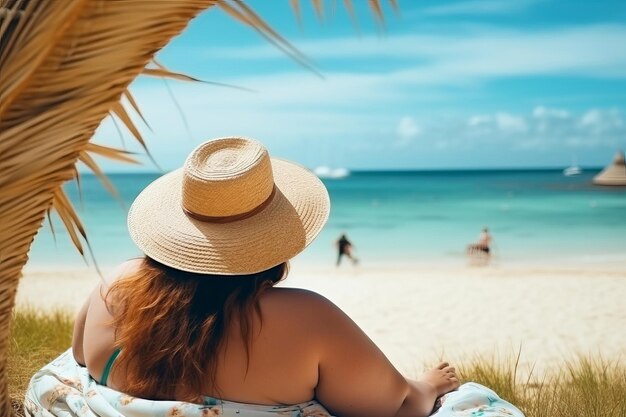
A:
{"points": [[170, 325]]}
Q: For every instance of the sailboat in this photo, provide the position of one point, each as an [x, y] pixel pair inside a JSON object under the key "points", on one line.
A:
{"points": [[572, 170], [331, 171], [328, 172]]}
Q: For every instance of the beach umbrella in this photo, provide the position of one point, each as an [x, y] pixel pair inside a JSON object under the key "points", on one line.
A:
{"points": [[64, 67], [614, 173]]}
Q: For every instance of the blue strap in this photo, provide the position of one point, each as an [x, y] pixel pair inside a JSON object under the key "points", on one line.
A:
{"points": [[107, 368]]}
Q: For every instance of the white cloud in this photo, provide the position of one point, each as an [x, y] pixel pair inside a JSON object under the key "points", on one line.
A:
{"points": [[318, 136], [407, 129], [480, 120], [546, 128], [591, 119], [509, 123], [549, 119], [602, 122], [500, 123], [474, 7], [541, 112]]}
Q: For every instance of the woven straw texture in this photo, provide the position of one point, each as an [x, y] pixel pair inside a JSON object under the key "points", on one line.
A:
{"points": [[230, 177]]}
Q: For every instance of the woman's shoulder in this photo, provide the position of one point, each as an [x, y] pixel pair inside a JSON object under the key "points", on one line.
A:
{"points": [[300, 307], [296, 298], [122, 270]]}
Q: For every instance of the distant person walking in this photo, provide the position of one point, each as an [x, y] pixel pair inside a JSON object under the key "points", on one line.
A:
{"points": [[344, 246]]}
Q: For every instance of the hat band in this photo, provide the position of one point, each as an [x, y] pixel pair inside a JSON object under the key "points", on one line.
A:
{"points": [[233, 218]]}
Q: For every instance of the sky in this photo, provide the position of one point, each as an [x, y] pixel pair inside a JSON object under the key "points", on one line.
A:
{"points": [[476, 84]]}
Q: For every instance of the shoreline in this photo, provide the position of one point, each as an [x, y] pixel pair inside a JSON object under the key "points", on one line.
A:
{"points": [[416, 315]]}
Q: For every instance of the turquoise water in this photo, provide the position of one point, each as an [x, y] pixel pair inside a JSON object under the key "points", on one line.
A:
{"points": [[406, 217]]}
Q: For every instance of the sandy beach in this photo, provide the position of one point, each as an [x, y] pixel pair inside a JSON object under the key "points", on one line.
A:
{"points": [[418, 314]]}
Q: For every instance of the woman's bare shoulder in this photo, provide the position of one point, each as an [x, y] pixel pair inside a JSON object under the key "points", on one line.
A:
{"points": [[122, 270], [302, 308], [99, 294], [297, 299]]}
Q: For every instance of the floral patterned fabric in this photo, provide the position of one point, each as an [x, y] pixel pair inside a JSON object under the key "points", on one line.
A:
{"points": [[64, 389], [474, 400]]}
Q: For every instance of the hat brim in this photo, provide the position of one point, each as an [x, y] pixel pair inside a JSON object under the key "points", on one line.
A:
{"points": [[285, 227]]}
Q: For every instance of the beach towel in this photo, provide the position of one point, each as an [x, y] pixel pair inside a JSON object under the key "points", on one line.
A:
{"points": [[63, 388]]}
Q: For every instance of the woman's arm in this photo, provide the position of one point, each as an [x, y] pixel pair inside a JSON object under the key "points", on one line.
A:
{"points": [[355, 377], [79, 332], [98, 308]]}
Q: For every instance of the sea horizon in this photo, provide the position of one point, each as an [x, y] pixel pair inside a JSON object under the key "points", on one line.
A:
{"points": [[537, 216], [585, 168]]}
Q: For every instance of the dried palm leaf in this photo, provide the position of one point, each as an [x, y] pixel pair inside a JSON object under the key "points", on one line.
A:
{"points": [[241, 12], [131, 100], [295, 5], [165, 73], [319, 9], [394, 6], [351, 13], [64, 66], [377, 11]]}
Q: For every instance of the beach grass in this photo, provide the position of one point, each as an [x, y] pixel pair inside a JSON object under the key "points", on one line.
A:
{"points": [[36, 339], [584, 387]]}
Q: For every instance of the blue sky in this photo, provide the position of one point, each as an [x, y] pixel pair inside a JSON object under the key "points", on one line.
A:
{"points": [[447, 85]]}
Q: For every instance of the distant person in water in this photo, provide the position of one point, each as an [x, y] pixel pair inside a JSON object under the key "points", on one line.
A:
{"points": [[484, 240], [344, 246], [483, 246]]}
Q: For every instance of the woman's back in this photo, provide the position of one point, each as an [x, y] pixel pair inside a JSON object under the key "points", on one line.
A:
{"points": [[282, 366]]}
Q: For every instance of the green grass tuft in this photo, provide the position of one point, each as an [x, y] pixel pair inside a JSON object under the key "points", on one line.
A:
{"points": [[36, 339], [585, 387]]}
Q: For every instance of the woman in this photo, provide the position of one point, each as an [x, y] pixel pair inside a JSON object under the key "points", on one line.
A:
{"points": [[198, 319]]}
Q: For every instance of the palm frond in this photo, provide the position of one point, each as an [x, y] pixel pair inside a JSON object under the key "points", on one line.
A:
{"points": [[115, 154], [120, 111], [242, 13], [86, 159], [70, 219], [63, 65], [179, 109], [165, 73], [79, 187], [348, 5], [297, 10], [377, 11], [318, 5], [131, 100], [51, 225], [394, 6]]}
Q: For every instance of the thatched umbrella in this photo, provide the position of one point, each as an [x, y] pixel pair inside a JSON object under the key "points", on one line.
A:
{"points": [[64, 66], [614, 173]]}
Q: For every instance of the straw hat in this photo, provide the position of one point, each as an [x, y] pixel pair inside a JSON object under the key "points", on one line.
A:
{"points": [[230, 210]]}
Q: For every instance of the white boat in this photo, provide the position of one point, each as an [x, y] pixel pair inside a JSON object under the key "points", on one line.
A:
{"points": [[332, 173], [572, 171]]}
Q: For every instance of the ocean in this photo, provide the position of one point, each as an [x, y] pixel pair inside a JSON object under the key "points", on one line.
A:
{"points": [[395, 218]]}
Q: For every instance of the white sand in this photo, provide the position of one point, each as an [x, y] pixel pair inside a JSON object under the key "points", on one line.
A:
{"points": [[417, 315]]}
